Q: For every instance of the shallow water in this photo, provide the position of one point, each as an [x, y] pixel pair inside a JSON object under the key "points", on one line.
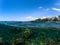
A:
{"points": [[31, 24]]}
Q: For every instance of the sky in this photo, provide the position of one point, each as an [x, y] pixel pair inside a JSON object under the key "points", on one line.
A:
{"points": [[26, 10]]}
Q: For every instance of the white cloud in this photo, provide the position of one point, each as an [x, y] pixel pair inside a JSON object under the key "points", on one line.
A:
{"points": [[47, 9], [28, 18], [43, 17], [56, 9]]}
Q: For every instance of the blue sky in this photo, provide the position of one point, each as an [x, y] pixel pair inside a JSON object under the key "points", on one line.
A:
{"points": [[25, 10]]}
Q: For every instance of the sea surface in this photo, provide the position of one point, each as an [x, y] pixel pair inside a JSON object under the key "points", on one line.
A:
{"points": [[32, 24]]}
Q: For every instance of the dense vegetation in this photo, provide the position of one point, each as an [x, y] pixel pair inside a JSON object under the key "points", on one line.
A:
{"points": [[10, 35]]}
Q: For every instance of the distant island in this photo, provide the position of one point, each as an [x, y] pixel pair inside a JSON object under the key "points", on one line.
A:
{"points": [[48, 19]]}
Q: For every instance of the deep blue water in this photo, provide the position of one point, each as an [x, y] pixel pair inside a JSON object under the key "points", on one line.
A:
{"points": [[31, 24]]}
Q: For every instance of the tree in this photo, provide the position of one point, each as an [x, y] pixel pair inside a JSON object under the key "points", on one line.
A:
{"points": [[55, 19], [45, 19]]}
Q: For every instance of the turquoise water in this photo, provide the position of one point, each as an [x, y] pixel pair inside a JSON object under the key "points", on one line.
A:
{"points": [[31, 24], [31, 35]]}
